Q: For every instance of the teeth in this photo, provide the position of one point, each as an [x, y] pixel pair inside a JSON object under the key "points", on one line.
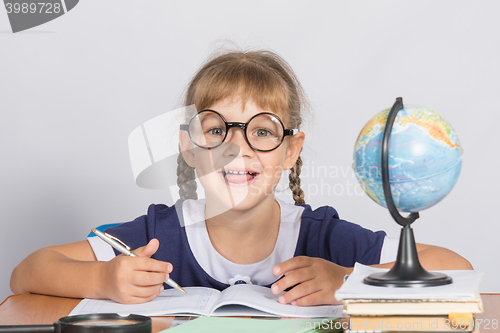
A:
{"points": [[238, 172]]}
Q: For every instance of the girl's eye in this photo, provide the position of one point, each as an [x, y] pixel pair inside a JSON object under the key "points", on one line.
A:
{"points": [[216, 131], [262, 133]]}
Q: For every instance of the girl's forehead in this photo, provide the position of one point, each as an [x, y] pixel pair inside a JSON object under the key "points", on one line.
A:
{"points": [[238, 108]]}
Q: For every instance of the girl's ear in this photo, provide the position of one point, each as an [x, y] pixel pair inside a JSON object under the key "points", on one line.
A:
{"points": [[187, 148], [293, 150]]}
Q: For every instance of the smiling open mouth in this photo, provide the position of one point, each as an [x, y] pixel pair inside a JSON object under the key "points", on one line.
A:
{"points": [[238, 177]]}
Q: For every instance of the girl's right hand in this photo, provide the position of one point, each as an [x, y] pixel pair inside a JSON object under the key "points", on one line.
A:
{"points": [[130, 280]]}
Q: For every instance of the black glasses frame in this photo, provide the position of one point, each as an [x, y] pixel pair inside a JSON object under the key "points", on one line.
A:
{"points": [[243, 126]]}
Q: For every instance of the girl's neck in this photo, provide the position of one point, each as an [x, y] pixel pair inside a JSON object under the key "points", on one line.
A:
{"points": [[246, 236]]}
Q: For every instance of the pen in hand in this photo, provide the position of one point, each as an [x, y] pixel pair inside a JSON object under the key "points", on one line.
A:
{"points": [[120, 246]]}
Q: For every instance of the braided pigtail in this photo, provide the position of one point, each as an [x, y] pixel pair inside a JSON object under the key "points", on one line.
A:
{"points": [[185, 179], [298, 193]]}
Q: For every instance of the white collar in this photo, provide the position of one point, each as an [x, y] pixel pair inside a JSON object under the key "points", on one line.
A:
{"points": [[224, 270]]}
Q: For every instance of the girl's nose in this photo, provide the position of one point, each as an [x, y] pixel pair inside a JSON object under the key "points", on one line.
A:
{"points": [[236, 136]]}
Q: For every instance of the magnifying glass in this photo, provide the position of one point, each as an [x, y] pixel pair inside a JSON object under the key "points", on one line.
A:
{"points": [[90, 323]]}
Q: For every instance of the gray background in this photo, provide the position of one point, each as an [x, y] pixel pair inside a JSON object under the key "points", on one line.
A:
{"points": [[73, 89]]}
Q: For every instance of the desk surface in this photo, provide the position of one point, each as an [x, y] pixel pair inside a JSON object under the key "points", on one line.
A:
{"points": [[32, 309]]}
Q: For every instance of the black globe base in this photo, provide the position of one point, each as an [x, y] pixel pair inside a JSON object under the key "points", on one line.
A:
{"points": [[395, 280], [407, 270]]}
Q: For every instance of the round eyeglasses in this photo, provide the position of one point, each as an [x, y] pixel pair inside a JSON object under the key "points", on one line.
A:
{"points": [[263, 132]]}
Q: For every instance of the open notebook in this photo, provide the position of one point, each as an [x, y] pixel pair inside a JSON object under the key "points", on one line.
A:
{"points": [[237, 300]]}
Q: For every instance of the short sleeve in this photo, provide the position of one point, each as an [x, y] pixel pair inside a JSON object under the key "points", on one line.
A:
{"points": [[389, 250], [349, 243], [134, 234], [323, 234], [102, 250]]}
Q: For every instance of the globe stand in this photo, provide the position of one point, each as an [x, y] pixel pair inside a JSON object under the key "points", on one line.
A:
{"points": [[407, 270]]}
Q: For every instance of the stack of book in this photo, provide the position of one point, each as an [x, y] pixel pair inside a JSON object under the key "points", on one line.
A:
{"points": [[430, 309]]}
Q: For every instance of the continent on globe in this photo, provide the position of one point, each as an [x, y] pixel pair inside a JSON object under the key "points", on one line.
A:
{"points": [[425, 158]]}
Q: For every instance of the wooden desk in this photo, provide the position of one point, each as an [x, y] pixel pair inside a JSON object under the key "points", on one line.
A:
{"points": [[32, 309]]}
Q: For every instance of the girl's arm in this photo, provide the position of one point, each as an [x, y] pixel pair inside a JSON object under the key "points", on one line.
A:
{"points": [[316, 279], [435, 258], [71, 270], [63, 270]]}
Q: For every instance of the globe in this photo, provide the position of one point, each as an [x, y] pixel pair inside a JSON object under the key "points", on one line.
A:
{"points": [[425, 158]]}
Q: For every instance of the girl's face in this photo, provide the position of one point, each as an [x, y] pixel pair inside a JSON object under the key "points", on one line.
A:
{"points": [[234, 175]]}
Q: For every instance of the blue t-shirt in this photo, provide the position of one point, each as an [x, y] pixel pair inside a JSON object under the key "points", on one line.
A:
{"points": [[322, 234]]}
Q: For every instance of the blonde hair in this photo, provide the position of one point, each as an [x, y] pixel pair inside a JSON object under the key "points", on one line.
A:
{"points": [[261, 76]]}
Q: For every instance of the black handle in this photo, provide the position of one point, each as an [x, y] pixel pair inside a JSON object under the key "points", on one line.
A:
{"points": [[403, 221]]}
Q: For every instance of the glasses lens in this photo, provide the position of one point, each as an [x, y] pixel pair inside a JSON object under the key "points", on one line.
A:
{"points": [[207, 129], [265, 132]]}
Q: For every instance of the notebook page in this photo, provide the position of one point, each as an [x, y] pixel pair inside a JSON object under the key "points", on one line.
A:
{"points": [[197, 300], [261, 298]]}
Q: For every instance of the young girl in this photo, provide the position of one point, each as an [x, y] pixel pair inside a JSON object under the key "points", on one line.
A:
{"points": [[241, 137]]}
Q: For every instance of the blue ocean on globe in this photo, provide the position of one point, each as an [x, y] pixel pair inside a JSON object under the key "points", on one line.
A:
{"points": [[425, 158]]}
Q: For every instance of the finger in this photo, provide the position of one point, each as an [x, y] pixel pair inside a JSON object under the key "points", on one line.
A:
{"points": [[149, 249], [310, 299], [141, 299], [319, 297], [298, 291], [291, 264], [147, 292], [151, 265], [291, 279], [144, 279]]}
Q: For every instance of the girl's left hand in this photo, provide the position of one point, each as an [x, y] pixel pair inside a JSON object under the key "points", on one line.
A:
{"points": [[314, 281]]}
